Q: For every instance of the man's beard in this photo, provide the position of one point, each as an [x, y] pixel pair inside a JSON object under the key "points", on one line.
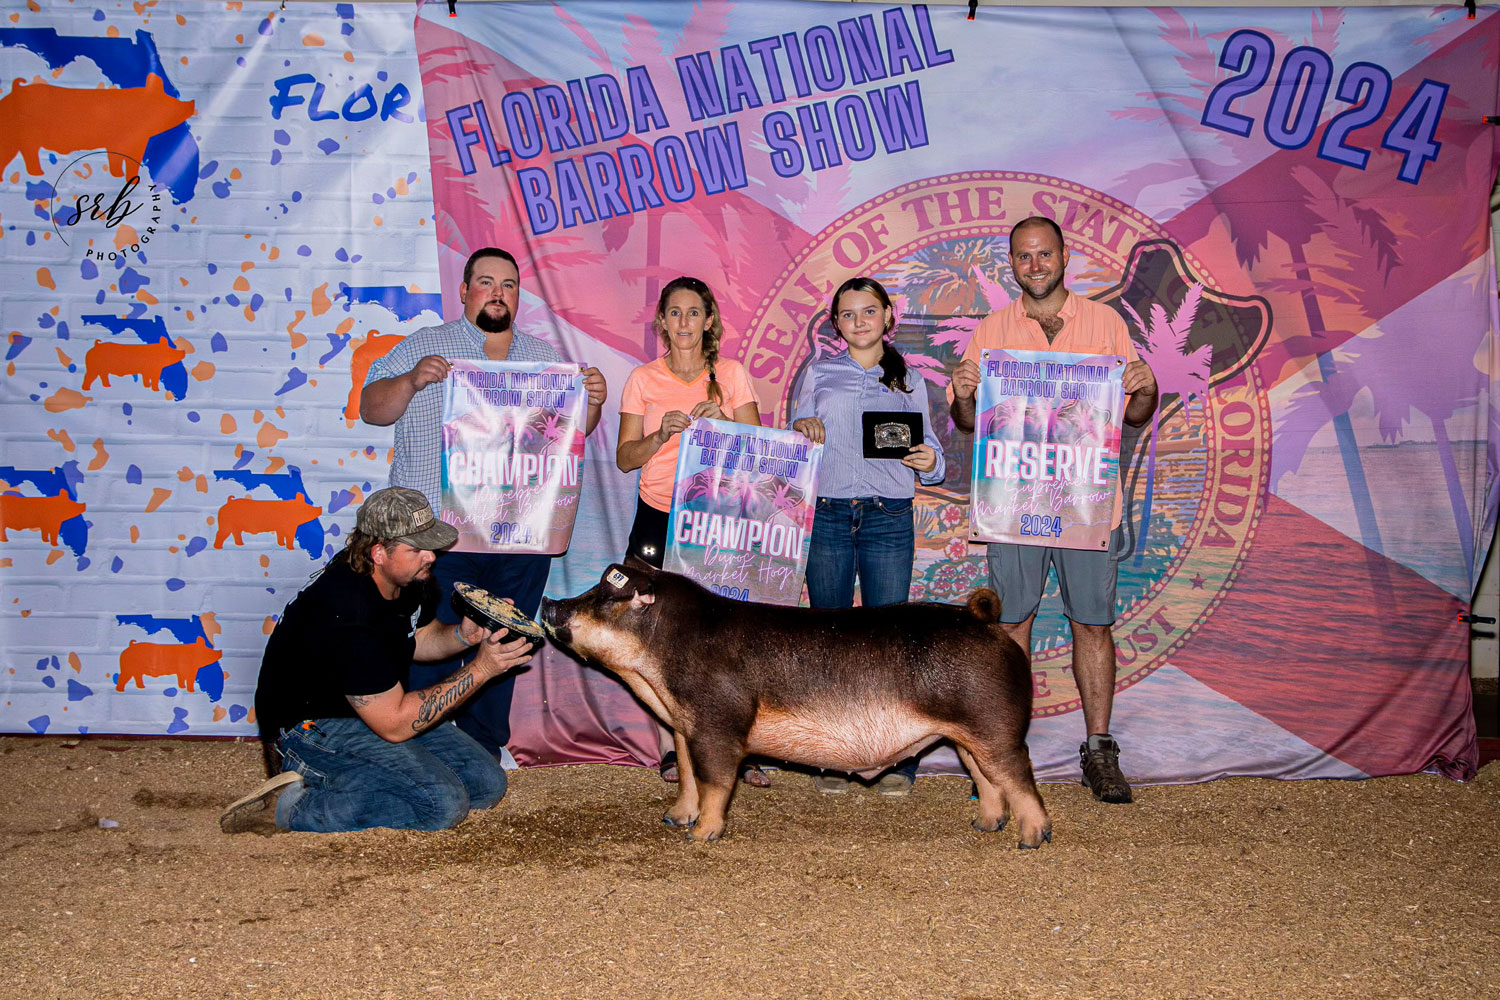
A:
{"points": [[492, 324], [1044, 291], [428, 587]]}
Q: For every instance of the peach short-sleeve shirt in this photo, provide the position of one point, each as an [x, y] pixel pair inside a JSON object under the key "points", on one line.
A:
{"points": [[652, 390]]}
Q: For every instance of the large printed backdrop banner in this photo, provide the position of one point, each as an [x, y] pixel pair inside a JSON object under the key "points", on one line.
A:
{"points": [[179, 436], [1287, 207]]}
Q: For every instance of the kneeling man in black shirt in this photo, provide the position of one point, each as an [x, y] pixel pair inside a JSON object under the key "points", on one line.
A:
{"points": [[347, 745]]}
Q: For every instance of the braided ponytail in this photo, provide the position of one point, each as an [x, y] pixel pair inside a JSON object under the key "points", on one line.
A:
{"points": [[715, 391]]}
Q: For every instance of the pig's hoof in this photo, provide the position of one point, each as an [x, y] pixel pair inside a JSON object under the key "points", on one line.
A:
{"points": [[693, 837], [982, 827], [677, 823], [1046, 838]]}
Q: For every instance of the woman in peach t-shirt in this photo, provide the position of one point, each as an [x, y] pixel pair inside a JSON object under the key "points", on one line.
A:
{"points": [[661, 398]]}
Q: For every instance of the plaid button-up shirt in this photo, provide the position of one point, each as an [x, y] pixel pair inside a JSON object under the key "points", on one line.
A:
{"points": [[419, 442]]}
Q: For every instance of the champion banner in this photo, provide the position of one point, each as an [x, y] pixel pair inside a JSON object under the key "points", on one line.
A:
{"points": [[742, 510], [512, 454], [1046, 448], [1287, 207]]}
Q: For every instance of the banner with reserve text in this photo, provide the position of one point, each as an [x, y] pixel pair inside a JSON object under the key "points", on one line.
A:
{"points": [[512, 454], [1288, 208], [1046, 448], [742, 510]]}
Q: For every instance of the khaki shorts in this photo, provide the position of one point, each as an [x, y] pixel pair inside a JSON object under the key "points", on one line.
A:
{"points": [[1086, 580]]}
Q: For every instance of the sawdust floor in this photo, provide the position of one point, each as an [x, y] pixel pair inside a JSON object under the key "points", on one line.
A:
{"points": [[572, 888]]}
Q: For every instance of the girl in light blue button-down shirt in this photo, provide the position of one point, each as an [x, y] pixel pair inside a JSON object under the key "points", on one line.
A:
{"points": [[863, 528]]}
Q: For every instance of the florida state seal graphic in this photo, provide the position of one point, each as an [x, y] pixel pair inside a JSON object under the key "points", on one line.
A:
{"points": [[1194, 478]]}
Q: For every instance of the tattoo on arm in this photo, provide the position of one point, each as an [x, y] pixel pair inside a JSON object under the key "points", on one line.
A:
{"points": [[359, 700], [437, 700]]}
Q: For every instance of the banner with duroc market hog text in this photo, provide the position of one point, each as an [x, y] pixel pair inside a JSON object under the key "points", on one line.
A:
{"points": [[742, 510]]}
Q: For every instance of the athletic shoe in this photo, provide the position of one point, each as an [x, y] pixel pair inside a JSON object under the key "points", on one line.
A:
{"points": [[894, 785], [831, 784], [1100, 759], [256, 812]]}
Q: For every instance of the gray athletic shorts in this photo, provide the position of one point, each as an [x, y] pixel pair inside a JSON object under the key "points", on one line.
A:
{"points": [[1086, 580]]}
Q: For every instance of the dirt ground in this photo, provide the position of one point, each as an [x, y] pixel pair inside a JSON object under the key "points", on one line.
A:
{"points": [[572, 887]]}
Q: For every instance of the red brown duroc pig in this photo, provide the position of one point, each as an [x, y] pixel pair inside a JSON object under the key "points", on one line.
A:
{"points": [[855, 690]]}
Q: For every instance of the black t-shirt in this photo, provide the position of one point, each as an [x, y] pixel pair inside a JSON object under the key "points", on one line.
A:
{"points": [[338, 637]]}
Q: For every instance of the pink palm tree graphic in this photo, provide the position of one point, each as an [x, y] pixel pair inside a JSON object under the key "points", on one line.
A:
{"points": [[1178, 370]]}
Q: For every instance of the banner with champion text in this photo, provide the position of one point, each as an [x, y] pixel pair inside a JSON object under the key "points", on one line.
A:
{"points": [[742, 510], [1288, 208], [512, 454], [1046, 448]]}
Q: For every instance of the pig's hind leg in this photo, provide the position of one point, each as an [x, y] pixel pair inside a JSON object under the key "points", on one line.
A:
{"points": [[993, 812], [1009, 773]]}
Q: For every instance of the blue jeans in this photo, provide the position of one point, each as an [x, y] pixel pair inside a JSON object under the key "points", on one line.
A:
{"points": [[522, 578], [353, 779], [869, 536], [872, 537]]}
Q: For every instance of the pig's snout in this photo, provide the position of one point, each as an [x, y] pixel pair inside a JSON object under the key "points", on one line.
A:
{"points": [[554, 621]]}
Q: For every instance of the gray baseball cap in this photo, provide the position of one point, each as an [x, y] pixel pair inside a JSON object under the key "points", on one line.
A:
{"points": [[398, 514]]}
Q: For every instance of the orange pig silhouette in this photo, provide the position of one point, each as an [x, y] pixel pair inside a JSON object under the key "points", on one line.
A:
{"points": [[146, 360], [140, 660], [375, 347], [120, 121], [284, 517], [44, 514]]}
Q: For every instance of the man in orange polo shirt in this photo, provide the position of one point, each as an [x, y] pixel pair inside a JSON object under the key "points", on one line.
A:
{"points": [[1047, 317]]}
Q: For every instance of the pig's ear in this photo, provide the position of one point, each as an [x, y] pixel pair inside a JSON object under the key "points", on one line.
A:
{"points": [[642, 598], [633, 561], [622, 584]]}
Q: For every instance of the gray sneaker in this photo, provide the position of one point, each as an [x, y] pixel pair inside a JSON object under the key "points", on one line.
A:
{"points": [[1099, 757], [256, 812], [831, 784]]}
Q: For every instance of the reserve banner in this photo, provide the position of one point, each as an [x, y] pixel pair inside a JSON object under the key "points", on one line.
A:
{"points": [[1046, 448], [513, 454], [742, 510]]}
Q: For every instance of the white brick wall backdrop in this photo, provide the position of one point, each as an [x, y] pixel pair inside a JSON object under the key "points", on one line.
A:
{"points": [[247, 282]]}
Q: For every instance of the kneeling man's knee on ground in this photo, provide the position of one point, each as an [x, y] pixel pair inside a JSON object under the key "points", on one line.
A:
{"points": [[486, 785], [440, 803]]}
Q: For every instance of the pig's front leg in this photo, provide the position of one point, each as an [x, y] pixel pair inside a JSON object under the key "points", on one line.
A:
{"points": [[715, 768], [684, 811]]}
